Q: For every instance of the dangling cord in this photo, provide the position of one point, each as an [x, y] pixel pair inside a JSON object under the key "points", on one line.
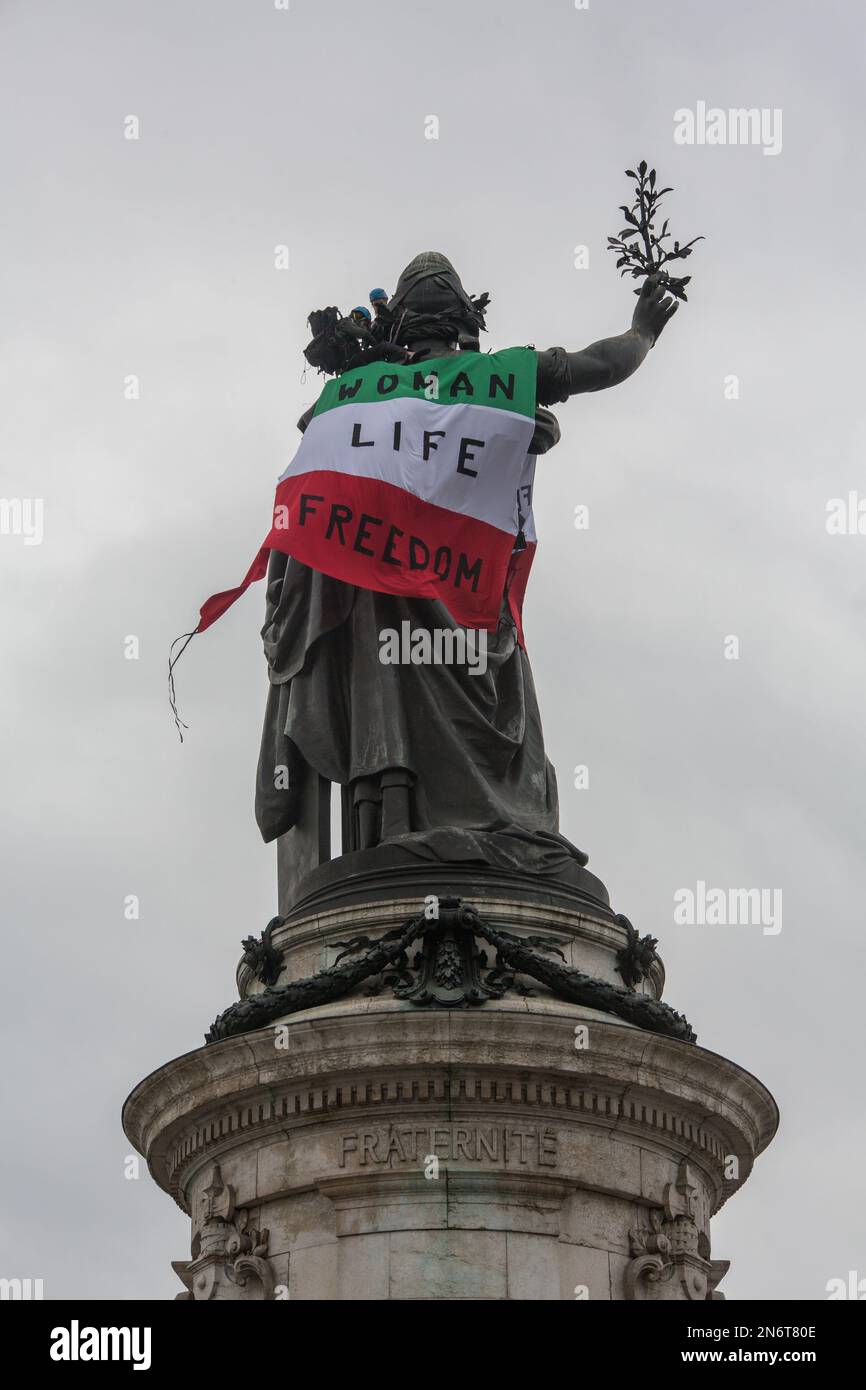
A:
{"points": [[186, 638]]}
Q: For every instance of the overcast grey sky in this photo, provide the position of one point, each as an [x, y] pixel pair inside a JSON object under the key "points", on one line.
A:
{"points": [[155, 257]]}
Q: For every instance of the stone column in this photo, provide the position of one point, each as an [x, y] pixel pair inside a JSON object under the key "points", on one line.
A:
{"points": [[389, 1145]]}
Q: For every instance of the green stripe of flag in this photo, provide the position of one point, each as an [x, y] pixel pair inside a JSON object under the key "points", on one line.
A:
{"points": [[504, 379]]}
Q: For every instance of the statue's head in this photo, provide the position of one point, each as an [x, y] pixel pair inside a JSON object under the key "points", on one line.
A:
{"points": [[428, 309], [430, 302]]}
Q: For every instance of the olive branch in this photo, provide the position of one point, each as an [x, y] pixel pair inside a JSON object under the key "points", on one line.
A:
{"points": [[640, 248]]}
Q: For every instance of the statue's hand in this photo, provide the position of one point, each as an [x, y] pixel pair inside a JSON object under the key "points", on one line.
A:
{"points": [[652, 311]]}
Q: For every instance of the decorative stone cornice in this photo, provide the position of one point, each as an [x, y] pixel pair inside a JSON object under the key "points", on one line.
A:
{"points": [[403, 1063]]}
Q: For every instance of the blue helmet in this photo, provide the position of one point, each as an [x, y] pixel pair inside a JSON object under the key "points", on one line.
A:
{"points": [[376, 295], [360, 309]]}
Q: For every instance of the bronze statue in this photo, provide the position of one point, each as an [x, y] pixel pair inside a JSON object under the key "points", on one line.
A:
{"points": [[448, 762]]}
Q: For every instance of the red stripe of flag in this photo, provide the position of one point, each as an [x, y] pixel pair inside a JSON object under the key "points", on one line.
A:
{"points": [[385, 519]]}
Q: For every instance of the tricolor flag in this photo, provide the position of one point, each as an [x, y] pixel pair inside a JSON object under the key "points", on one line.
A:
{"points": [[415, 480]]}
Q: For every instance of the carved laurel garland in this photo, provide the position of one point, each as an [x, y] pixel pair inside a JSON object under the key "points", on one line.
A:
{"points": [[454, 932]]}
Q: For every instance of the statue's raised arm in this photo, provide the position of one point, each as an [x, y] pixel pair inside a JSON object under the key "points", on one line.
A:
{"points": [[611, 360]]}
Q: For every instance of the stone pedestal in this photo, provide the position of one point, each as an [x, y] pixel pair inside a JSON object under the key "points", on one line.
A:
{"points": [[513, 1145]]}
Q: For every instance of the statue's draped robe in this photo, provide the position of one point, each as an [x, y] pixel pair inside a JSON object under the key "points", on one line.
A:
{"points": [[472, 742]]}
